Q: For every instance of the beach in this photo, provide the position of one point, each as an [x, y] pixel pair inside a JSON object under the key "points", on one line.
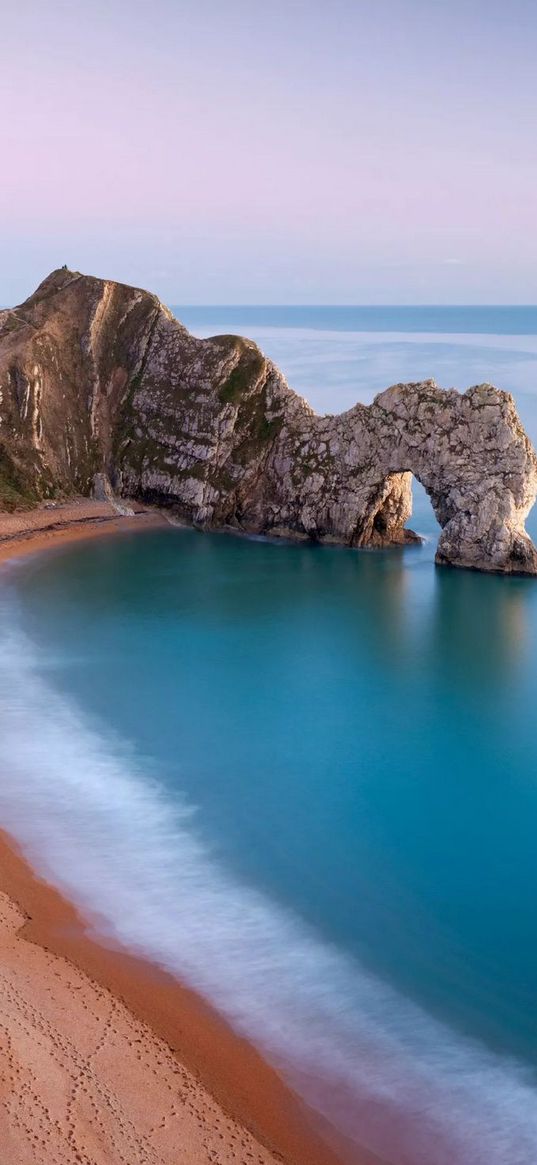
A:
{"points": [[104, 1059], [114, 789], [267, 697], [28, 531]]}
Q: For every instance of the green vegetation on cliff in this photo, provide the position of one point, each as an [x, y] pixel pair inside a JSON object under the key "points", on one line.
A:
{"points": [[15, 491]]}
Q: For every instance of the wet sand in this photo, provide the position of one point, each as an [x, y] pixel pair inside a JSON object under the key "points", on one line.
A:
{"points": [[105, 1059]]}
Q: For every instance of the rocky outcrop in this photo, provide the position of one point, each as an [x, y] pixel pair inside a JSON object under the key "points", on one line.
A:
{"points": [[99, 382]]}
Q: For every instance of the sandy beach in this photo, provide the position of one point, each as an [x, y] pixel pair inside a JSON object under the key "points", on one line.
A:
{"points": [[104, 1059], [29, 531]]}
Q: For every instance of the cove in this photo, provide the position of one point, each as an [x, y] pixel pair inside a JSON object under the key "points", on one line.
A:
{"points": [[345, 739]]}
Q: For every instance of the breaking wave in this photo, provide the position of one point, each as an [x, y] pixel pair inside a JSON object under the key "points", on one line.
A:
{"points": [[379, 1068]]}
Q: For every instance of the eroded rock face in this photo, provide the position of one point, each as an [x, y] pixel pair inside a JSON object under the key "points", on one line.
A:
{"points": [[97, 378]]}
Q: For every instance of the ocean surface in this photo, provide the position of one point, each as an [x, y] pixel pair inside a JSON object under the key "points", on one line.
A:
{"points": [[305, 778]]}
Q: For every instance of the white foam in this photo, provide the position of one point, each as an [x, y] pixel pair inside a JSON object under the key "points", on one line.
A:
{"points": [[86, 812]]}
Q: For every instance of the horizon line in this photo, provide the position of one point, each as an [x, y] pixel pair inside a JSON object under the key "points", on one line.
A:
{"points": [[410, 306]]}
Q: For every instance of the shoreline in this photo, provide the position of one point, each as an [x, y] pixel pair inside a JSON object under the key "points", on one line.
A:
{"points": [[30, 531], [246, 1111], [250, 1094]]}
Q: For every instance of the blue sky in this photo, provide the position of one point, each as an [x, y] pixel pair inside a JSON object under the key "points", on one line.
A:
{"points": [[373, 151]]}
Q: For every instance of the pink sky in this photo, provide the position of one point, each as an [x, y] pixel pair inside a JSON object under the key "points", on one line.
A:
{"points": [[358, 151]]}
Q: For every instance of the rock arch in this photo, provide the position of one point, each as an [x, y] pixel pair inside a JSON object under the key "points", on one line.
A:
{"points": [[469, 451], [477, 465], [116, 386]]}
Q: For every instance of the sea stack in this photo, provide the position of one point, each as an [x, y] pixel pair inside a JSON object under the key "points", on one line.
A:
{"points": [[99, 382]]}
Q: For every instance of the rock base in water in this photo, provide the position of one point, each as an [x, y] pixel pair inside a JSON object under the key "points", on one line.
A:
{"points": [[99, 382]]}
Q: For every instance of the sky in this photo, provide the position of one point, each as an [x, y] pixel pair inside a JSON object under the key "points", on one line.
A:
{"points": [[291, 151]]}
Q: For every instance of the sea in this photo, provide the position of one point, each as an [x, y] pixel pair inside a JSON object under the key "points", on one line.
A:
{"points": [[304, 778]]}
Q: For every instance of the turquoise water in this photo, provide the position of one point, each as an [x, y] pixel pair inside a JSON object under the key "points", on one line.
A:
{"points": [[303, 778]]}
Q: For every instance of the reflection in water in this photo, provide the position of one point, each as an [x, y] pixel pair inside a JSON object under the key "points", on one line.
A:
{"points": [[479, 628], [347, 725]]}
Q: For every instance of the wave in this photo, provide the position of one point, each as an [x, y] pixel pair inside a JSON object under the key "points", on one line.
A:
{"points": [[377, 1066]]}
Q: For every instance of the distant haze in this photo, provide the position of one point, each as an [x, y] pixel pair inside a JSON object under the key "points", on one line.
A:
{"points": [[291, 151]]}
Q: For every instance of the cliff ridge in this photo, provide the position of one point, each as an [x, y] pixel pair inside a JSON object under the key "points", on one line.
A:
{"points": [[100, 383]]}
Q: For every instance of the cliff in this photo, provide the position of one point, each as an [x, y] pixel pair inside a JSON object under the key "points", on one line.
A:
{"points": [[97, 378]]}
